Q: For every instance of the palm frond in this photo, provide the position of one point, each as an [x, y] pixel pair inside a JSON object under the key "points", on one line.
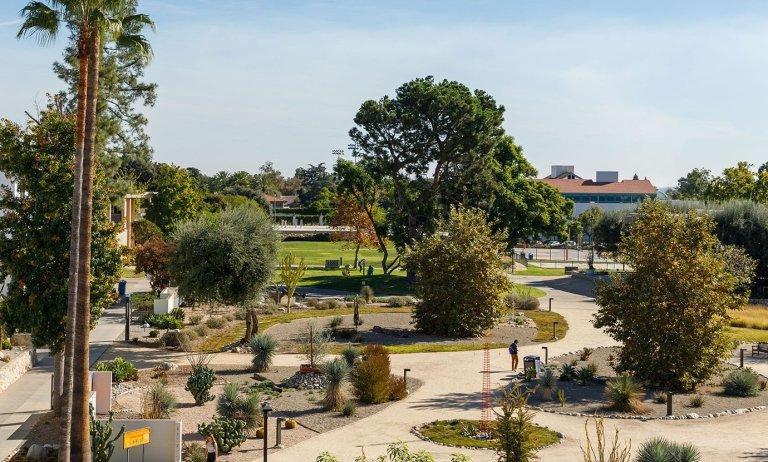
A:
{"points": [[142, 20], [40, 21], [136, 42]]}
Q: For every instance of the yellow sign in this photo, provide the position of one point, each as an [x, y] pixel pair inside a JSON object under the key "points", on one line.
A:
{"points": [[137, 437]]}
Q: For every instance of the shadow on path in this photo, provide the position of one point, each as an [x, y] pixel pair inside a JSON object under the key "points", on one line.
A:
{"points": [[568, 284]]}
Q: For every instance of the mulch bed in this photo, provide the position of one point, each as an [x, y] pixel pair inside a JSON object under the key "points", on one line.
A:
{"points": [[590, 399]]}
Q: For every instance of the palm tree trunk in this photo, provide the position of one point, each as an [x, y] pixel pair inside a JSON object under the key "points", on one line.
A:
{"points": [[81, 438], [65, 421]]}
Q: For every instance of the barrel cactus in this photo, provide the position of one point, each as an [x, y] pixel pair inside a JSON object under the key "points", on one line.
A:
{"points": [[228, 433]]}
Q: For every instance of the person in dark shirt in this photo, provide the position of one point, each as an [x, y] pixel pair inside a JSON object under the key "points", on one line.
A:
{"points": [[513, 354]]}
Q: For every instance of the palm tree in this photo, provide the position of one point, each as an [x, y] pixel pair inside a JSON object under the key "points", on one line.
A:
{"points": [[95, 22]]}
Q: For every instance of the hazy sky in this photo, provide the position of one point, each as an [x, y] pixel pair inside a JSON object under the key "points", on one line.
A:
{"points": [[653, 88]]}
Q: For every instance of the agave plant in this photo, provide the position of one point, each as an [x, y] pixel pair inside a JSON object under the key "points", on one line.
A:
{"points": [[662, 450], [547, 382], [336, 372], [625, 394], [567, 372], [263, 347]]}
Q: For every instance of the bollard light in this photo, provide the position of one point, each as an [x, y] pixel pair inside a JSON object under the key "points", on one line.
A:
{"points": [[554, 330], [669, 403], [279, 432], [741, 357], [266, 409], [546, 354], [550, 303]]}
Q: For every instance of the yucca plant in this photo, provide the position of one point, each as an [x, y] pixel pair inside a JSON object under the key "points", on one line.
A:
{"points": [[350, 354], [547, 382], [662, 450], [584, 375], [741, 382], [234, 405], [567, 372], [263, 347], [336, 372], [625, 394]]}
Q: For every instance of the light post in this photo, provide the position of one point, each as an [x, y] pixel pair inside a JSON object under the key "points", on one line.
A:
{"points": [[266, 409], [279, 432], [405, 375], [550, 303], [546, 354], [554, 330], [669, 403], [339, 153], [741, 357]]}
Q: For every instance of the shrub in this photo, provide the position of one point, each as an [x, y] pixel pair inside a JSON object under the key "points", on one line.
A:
{"points": [[162, 321], [567, 373], [326, 456], [662, 450], [200, 382], [215, 322], [350, 354], [660, 397], [696, 401], [239, 315], [741, 382], [397, 388], [178, 313], [174, 338], [350, 408], [152, 258], [229, 317], [336, 321], [547, 382], [603, 449], [121, 369], [398, 302], [370, 377], [201, 330], [762, 385], [624, 394], [462, 303], [229, 433], [584, 375], [233, 405], [313, 343], [336, 372], [514, 428], [158, 402], [335, 304], [194, 452], [144, 230], [516, 301], [264, 348], [367, 293], [190, 333], [154, 333], [561, 398], [585, 354]]}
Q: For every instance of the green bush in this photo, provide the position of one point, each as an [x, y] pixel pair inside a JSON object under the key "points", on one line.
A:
{"points": [[547, 382], [174, 338], [742, 382], [624, 394], [216, 322], [234, 405], [516, 301], [200, 382], [144, 230], [461, 279], [350, 408], [178, 313], [335, 304], [162, 321], [370, 377], [567, 373], [194, 452], [397, 388], [122, 370], [154, 333], [696, 401], [399, 302], [585, 354], [229, 433], [336, 321], [350, 354], [264, 348], [662, 450], [142, 301], [158, 402], [367, 293], [584, 375], [201, 330]]}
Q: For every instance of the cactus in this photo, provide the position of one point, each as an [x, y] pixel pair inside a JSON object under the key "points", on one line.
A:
{"points": [[102, 443], [200, 383], [229, 433]]}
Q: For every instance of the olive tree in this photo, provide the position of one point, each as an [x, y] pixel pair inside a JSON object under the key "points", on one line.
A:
{"points": [[460, 278], [225, 258], [671, 311]]}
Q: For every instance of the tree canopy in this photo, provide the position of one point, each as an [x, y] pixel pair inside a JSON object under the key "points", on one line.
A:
{"points": [[461, 280], [35, 229], [176, 198], [670, 313]]}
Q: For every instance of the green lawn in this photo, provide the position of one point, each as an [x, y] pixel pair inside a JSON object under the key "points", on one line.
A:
{"points": [[539, 271], [315, 253], [130, 272], [382, 284], [450, 433], [545, 323]]}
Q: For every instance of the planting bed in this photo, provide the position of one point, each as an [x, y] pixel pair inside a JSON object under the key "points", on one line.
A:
{"points": [[590, 399]]}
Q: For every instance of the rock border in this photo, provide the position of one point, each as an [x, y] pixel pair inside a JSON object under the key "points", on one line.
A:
{"points": [[19, 361], [688, 416], [415, 430]]}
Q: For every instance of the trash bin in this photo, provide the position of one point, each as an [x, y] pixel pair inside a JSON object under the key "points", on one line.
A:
{"points": [[532, 362], [530, 256], [121, 288]]}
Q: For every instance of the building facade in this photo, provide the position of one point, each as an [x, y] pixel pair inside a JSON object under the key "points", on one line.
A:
{"points": [[605, 191]]}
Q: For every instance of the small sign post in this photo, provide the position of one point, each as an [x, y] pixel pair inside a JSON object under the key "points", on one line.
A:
{"points": [[133, 438]]}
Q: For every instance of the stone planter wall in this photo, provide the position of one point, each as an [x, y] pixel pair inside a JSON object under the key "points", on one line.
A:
{"points": [[21, 360]]}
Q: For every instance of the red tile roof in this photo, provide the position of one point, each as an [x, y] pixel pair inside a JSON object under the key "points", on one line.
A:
{"points": [[579, 186]]}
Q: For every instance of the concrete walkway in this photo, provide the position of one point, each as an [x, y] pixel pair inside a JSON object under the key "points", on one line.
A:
{"points": [[24, 401], [452, 389]]}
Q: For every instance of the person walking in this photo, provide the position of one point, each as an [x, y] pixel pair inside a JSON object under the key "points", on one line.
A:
{"points": [[211, 448], [513, 354]]}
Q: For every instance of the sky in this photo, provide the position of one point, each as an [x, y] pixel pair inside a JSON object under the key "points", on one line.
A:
{"points": [[653, 88]]}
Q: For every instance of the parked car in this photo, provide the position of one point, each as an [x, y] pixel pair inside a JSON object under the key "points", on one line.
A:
{"points": [[570, 244], [554, 243]]}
